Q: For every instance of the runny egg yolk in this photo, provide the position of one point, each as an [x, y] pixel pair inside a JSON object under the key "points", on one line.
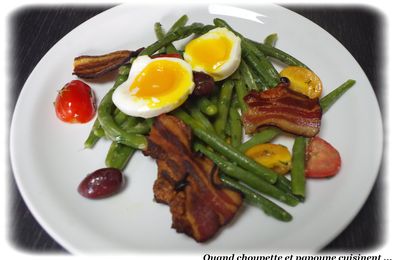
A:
{"points": [[209, 53], [158, 78]]}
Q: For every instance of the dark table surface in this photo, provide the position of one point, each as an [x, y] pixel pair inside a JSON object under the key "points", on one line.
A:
{"points": [[34, 30]]}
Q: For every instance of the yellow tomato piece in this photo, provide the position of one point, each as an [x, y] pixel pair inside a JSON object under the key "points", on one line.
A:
{"points": [[274, 156], [303, 80]]}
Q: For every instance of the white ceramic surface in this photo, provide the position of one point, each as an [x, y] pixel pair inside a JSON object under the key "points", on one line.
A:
{"points": [[49, 161]]}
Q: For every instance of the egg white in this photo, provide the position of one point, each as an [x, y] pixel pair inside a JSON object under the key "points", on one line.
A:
{"points": [[126, 101], [230, 65]]}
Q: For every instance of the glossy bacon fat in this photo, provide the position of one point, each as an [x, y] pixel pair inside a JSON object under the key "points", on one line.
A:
{"points": [[284, 108], [188, 183]]}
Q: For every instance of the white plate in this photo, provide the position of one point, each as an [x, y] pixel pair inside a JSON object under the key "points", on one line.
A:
{"points": [[49, 161]]}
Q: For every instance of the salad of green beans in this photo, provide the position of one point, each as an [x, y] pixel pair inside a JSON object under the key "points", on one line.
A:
{"points": [[216, 120]]}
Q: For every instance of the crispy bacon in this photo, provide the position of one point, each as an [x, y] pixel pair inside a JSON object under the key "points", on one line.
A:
{"points": [[188, 183], [282, 107]]}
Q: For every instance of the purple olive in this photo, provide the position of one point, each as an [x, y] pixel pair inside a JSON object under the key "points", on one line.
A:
{"points": [[204, 84], [101, 183]]}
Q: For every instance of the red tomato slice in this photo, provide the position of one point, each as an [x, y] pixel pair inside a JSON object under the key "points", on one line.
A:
{"points": [[323, 160], [75, 103], [171, 55]]}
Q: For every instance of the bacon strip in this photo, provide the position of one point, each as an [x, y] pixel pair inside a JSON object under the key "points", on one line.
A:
{"points": [[188, 183], [282, 107]]}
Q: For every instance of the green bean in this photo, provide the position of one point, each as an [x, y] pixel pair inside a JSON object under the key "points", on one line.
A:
{"points": [[129, 122], [96, 129], [224, 102], [236, 126], [256, 199], [99, 132], [230, 152], [178, 34], [228, 131], [327, 101], [204, 29], [118, 155], [120, 117], [251, 81], [262, 137], [271, 39], [257, 80], [141, 128], [298, 180], [116, 111], [241, 92], [285, 185], [200, 117], [170, 48], [278, 54], [124, 70], [159, 31], [159, 34], [179, 23], [91, 140], [187, 119], [206, 106], [246, 177]]}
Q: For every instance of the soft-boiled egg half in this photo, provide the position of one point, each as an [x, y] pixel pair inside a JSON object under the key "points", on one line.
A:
{"points": [[216, 53], [154, 86]]}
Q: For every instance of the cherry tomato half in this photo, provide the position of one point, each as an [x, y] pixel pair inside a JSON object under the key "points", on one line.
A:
{"points": [[75, 103], [323, 160]]}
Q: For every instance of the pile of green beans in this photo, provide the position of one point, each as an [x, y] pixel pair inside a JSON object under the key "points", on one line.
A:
{"points": [[226, 149], [246, 177], [254, 198], [170, 48], [216, 120], [255, 58]]}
